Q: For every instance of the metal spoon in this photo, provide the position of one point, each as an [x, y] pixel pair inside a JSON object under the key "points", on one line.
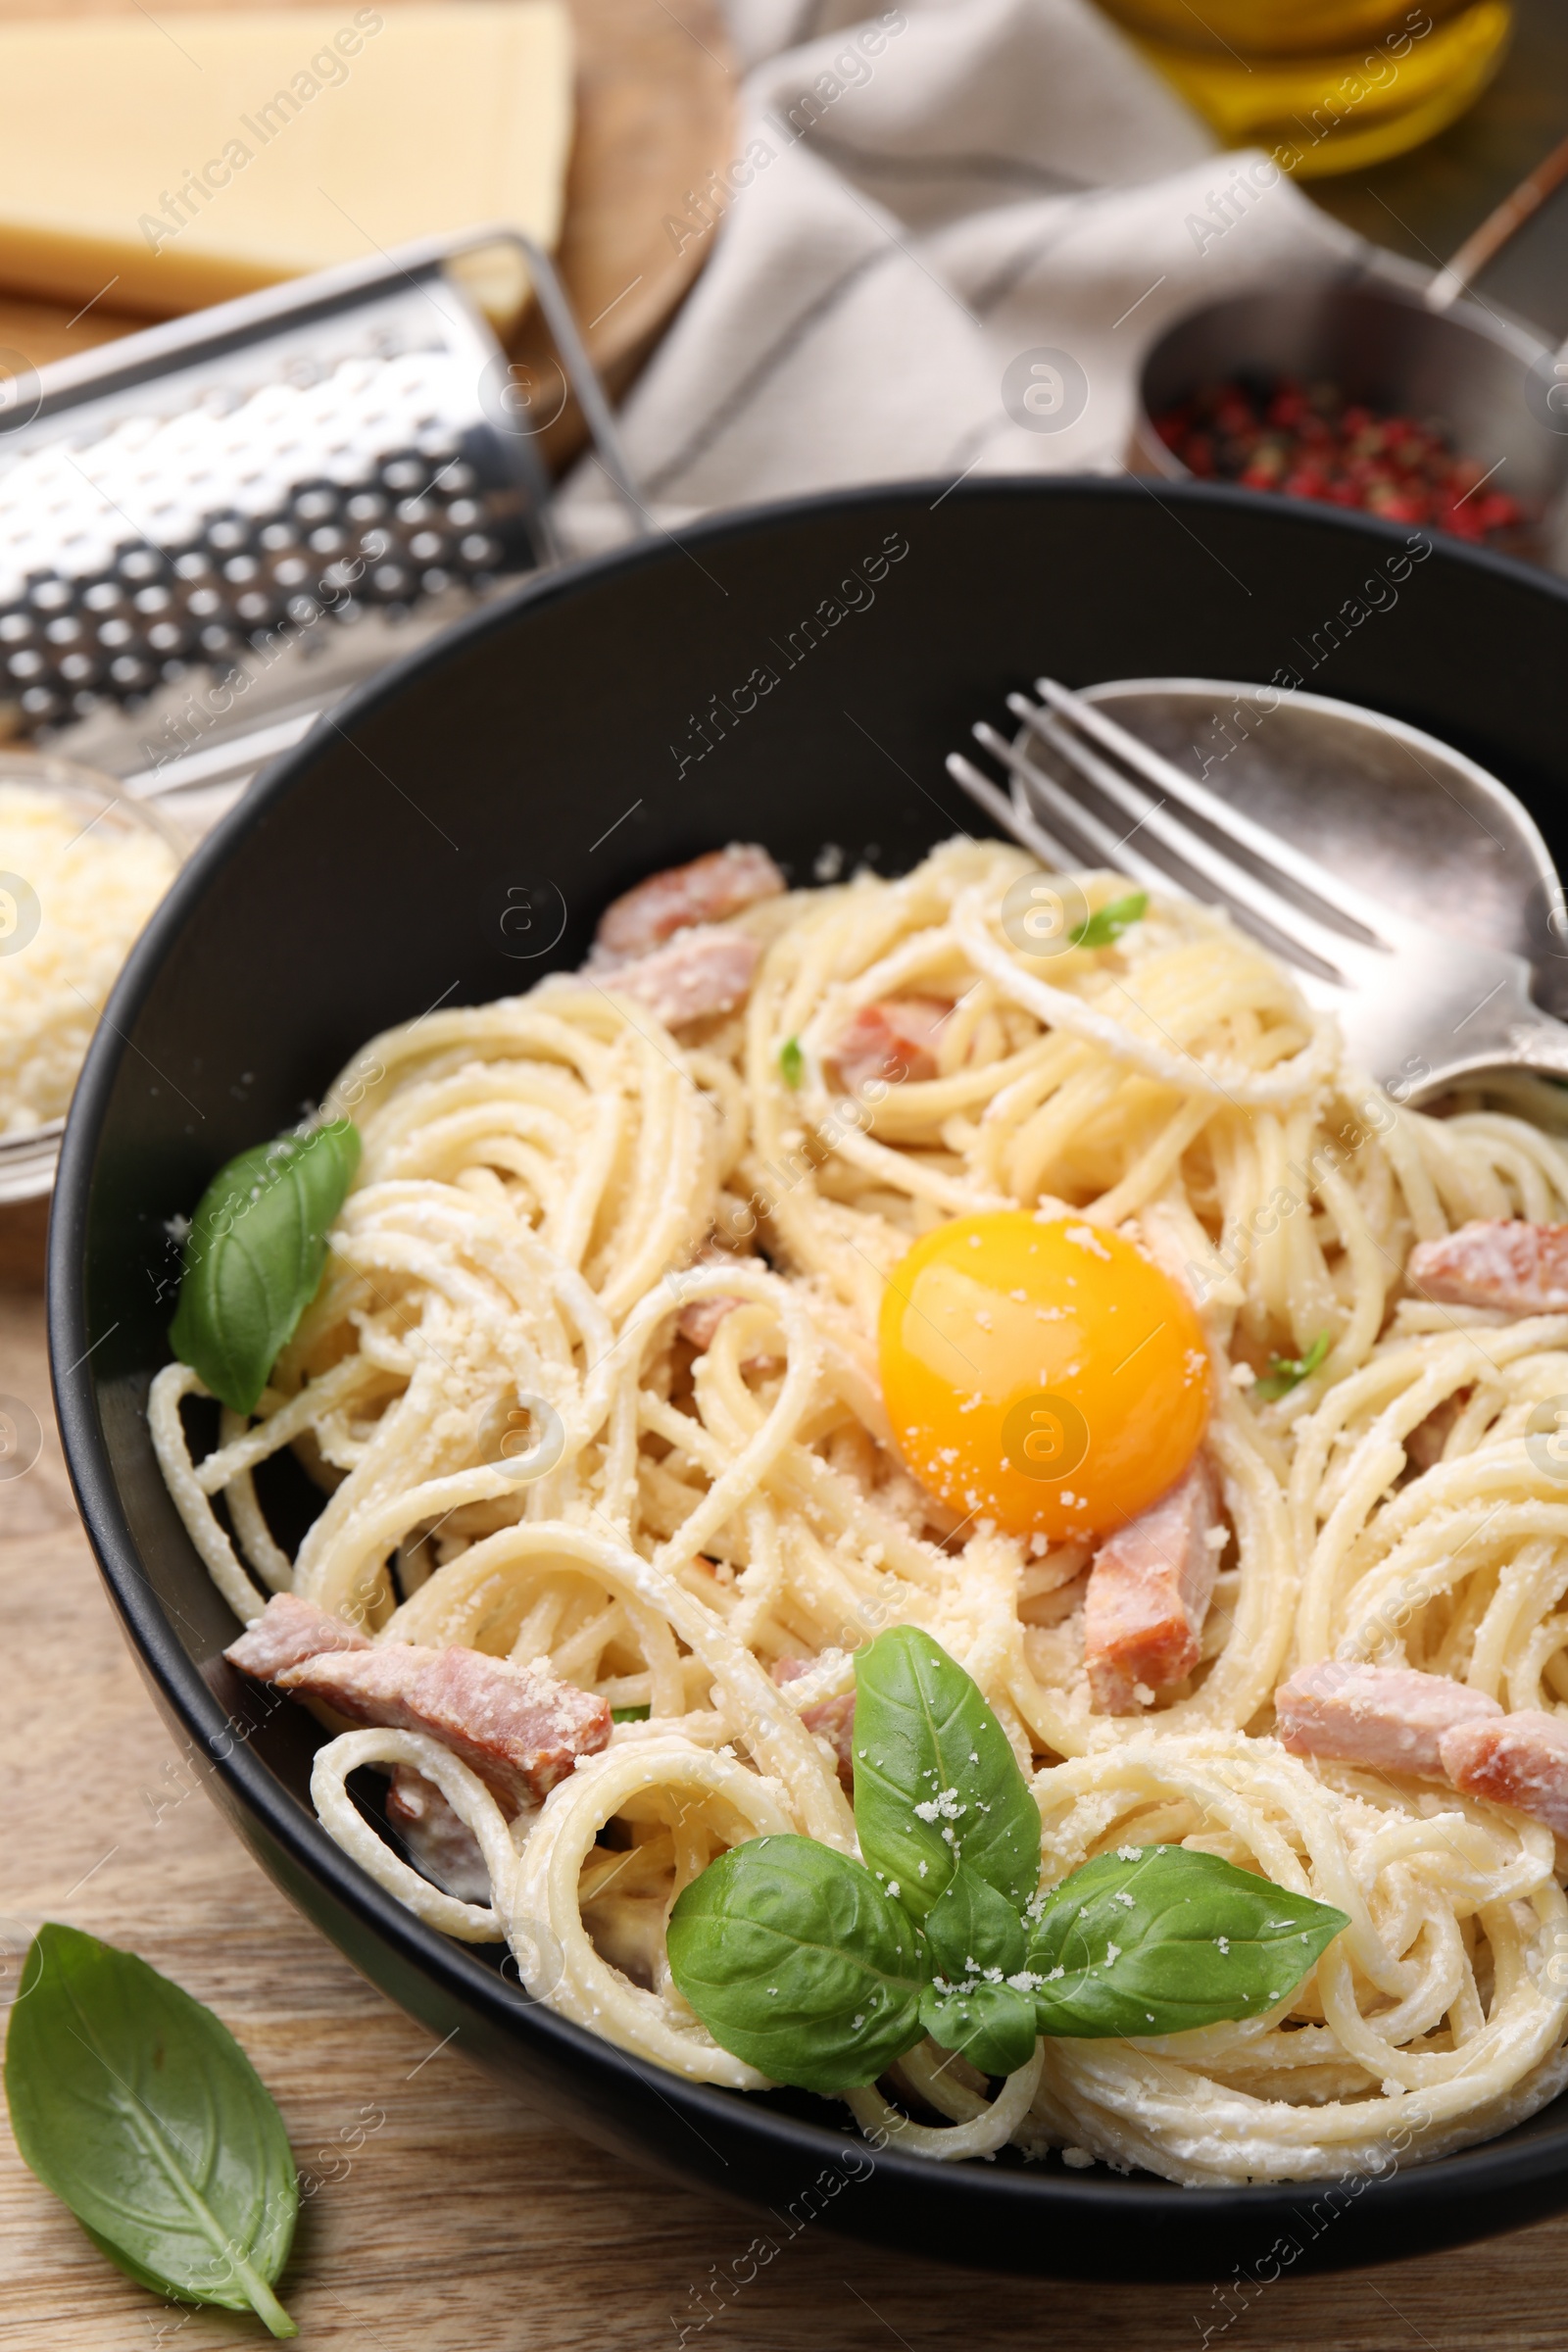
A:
{"points": [[1403, 819]]}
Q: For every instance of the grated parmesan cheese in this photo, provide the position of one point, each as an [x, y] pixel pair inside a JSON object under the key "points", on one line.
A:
{"points": [[96, 884]]}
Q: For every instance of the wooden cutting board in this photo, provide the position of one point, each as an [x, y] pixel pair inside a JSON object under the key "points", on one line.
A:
{"points": [[450, 2215], [655, 117]]}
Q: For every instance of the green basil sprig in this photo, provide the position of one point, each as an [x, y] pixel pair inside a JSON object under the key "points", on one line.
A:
{"points": [[978, 2000], [820, 1970], [254, 1257], [1104, 929], [142, 2113], [936, 1783], [795, 1961], [1286, 1372], [1165, 1940]]}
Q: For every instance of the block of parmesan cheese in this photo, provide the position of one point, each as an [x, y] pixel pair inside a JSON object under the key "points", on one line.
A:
{"points": [[163, 165]]}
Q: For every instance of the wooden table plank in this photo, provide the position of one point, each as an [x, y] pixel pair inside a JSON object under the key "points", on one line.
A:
{"points": [[466, 2220]]}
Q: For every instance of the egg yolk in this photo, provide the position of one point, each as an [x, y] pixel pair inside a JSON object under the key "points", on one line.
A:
{"points": [[1048, 1376]]}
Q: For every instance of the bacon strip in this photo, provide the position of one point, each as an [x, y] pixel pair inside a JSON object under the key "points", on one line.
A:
{"points": [[705, 891], [831, 1719], [893, 1040], [698, 973], [1503, 1262], [287, 1632], [520, 1731], [1519, 1761], [1148, 1593], [698, 1323], [1387, 1717], [1394, 1719], [699, 1319]]}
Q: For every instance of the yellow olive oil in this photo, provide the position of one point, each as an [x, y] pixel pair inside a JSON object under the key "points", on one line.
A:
{"points": [[1324, 86]]}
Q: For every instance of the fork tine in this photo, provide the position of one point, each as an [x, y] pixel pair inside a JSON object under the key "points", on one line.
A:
{"points": [[1025, 828], [1083, 839], [1337, 902], [1102, 846], [1279, 922]]}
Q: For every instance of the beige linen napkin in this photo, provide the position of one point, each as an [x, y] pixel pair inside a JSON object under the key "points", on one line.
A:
{"points": [[945, 238]]}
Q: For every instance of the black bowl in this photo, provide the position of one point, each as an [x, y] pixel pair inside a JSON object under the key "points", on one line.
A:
{"points": [[793, 676]]}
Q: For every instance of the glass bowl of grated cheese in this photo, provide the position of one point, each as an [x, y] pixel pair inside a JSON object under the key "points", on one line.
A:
{"points": [[81, 869]]}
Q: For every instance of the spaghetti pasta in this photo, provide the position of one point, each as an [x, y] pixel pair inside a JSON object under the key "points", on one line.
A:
{"points": [[543, 1183]]}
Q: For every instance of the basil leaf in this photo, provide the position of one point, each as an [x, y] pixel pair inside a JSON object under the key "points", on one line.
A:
{"points": [[1169, 1941], [935, 1779], [254, 1257], [992, 2025], [142, 2113], [135, 2270], [795, 1961], [973, 1930], [791, 1061], [630, 1714], [1286, 1371], [975, 1940], [1104, 929]]}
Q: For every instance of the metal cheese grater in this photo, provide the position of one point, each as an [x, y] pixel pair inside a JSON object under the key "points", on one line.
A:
{"points": [[289, 488]]}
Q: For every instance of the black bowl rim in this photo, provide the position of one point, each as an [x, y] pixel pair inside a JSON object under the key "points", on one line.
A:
{"points": [[1030, 2195]]}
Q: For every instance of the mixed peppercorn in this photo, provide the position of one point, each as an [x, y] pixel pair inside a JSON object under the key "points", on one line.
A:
{"points": [[1309, 441]]}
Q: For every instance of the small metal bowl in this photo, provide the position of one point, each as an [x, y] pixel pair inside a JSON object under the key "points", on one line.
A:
{"points": [[1484, 377], [27, 1160]]}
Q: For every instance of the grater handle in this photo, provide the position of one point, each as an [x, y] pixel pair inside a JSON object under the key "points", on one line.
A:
{"points": [[583, 377]]}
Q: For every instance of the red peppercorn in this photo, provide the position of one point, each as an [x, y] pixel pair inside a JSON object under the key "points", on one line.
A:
{"points": [[1307, 441], [1305, 482], [1395, 505]]}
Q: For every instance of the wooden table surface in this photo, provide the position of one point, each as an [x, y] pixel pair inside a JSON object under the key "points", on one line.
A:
{"points": [[468, 2222]]}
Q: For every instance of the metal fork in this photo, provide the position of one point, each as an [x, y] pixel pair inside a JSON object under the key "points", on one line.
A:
{"points": [[1419, 1007]]}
